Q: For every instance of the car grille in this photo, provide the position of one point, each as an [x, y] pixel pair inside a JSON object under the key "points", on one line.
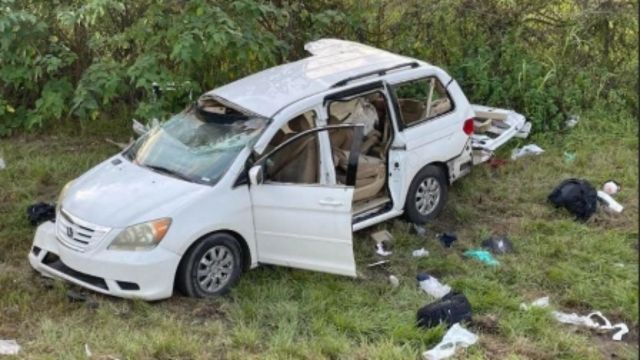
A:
{"points": [[78, 234]]}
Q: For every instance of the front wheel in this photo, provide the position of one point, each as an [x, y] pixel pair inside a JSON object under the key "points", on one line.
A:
{"points": [[427, 195], [211, 267]]}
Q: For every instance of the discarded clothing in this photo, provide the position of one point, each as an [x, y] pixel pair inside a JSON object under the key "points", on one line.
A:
{"points": [[498, 245], [456, 337], [9, 347], [483, 256], [577, 196], [447, 239], [432, 286], [609, 202], [591, 321], [41, 212], [420, 252], [611, 187], [452, 308], [531, 149]]}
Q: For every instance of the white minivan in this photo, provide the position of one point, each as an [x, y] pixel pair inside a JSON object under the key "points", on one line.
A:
{"points": [[280, 167]]}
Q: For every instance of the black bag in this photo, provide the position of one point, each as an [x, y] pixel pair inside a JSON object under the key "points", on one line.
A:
{"points": [[41, 212], [452, 308], [577, 196]]}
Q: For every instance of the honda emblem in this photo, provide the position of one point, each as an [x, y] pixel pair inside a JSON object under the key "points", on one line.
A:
{"points": [[69, 231]]}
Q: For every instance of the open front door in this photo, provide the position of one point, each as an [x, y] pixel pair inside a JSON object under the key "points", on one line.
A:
{"points": [[300, 221]]}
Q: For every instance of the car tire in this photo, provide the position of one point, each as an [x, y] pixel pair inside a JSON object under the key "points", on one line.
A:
{"points": [[210, 267], [427, 195]]}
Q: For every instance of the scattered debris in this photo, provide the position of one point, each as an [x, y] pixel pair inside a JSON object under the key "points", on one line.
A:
{"points": [[383, 240], [87, 351], [569, 157], [420, 252], [394, 281], [542, 302], [41, 212], [576, 195], [381, 249], [456, 337], [595, 320], [419, 230], [432, 286], [452, 308], [378, 263], [9, 347], [609, 202], [524, 131], [447, 239], [571, 121], [498, 245], [611, 187], [483, 256], [620, 265], [3, 165], [531, 149]]}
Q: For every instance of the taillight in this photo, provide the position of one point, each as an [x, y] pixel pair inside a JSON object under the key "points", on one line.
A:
{"points": [[468, 127]]}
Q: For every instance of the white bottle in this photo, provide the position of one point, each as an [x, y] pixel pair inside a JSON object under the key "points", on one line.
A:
{"points": [[432, 286]]}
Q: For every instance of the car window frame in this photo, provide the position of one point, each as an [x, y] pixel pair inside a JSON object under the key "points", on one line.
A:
{"points": [[418, 122]]}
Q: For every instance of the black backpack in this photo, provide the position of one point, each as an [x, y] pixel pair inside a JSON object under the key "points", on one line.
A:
{"points": [[577, 196], [452, 308]]}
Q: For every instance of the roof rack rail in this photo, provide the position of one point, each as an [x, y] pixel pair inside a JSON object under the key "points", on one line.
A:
{"points": [[381, 72]]}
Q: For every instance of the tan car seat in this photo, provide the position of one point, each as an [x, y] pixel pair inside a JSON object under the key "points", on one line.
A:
{"points": [[299, 162]]}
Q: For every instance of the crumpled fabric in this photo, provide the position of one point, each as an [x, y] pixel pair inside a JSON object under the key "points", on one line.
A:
{"points": [[588, 321], [456, 337], [483, 256]]}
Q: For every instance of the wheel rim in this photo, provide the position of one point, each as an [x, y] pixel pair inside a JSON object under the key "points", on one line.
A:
{"points": [[215, 268], [428, 196]]}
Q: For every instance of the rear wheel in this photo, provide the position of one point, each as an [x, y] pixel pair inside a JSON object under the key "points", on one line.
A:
{"points": [[211, 267], [427, 195]]}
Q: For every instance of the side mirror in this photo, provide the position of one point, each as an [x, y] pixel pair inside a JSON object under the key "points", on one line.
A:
{"points": [[256, 175]]}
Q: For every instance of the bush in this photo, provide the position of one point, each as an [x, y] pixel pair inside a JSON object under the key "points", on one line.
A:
{"points": [[80, 60]]}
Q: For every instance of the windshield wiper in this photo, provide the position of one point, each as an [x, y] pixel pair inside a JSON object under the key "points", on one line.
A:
{"points": [[164, 170]]}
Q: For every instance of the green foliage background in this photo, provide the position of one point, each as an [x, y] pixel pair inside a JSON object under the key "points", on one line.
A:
{"points": [[74, 62]]}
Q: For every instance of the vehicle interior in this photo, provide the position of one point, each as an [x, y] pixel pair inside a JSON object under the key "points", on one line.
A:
{"points": [[422, 99], [371, 111]]}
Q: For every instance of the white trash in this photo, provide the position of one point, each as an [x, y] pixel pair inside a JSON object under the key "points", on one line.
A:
{"points": [[420, 252], [542, 302], [394, 281], [572, 121], [381, 251], [588, 321], [456, 337], [9, 347], [609, 202], [611, 187], [432, 286], [531, 149]]}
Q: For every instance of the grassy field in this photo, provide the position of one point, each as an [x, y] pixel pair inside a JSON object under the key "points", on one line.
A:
{"points": [[284, 313]]}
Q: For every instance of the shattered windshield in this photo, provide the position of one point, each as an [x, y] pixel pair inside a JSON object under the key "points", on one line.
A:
{"points": [[195, 145]]}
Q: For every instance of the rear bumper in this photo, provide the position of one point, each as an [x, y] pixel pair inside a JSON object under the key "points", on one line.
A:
{"points": [[147, 275]]}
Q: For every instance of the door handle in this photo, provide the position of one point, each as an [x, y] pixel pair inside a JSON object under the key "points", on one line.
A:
{"points": [[329, 202]]}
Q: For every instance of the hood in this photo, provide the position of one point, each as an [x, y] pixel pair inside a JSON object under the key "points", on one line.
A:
{"points": [[118, 193]]}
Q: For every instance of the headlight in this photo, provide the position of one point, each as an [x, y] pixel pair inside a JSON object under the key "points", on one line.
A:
{"points": [[62, 195], [143, 236]]}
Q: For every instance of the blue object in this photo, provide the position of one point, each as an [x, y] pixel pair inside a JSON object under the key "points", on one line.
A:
{"points": [[447, 239], [483, 256]]}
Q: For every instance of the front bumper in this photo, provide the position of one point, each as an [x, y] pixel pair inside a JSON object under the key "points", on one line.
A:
{"points": [[147, 275]]}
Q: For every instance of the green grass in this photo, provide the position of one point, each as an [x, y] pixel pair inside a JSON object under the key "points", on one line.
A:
{"points": [[279, 313]]}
